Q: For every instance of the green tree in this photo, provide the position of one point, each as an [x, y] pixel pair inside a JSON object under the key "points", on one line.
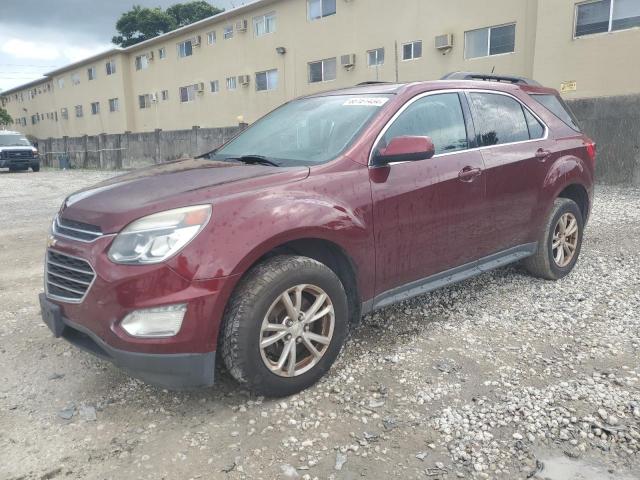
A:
{"points": [[142, 23], [5, 118], [191, 12]]}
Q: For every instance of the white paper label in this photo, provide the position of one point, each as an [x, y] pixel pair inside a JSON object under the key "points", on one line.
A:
{"points": [[366, 102]]}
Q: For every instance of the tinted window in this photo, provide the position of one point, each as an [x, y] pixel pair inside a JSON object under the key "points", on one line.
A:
{"points": [[536, 129], [557, 106], [593, 17], [437, 116], [498, 119]]}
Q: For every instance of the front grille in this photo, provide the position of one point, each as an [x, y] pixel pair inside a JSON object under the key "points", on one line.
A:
{"points": [[67, 278], [18, 154], [76, 230]]}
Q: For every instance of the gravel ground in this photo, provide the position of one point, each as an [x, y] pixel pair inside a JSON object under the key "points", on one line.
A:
{"points": [[503, 376]]}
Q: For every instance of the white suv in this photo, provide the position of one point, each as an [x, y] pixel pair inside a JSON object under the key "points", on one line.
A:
{"points": [[17, 153]]}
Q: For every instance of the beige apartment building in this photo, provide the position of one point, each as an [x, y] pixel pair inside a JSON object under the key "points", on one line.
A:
{"points": [[238, 65]]}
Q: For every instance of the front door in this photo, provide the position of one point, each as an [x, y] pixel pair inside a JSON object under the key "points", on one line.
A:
{"points": [[427, 213]]}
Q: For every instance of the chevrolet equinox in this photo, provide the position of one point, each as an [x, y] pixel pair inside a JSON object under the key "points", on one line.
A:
{"points": [[266, 250]]}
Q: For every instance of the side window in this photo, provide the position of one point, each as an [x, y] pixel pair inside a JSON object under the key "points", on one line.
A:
{"points": [[536, 129], [498, 119], [437, 116]]}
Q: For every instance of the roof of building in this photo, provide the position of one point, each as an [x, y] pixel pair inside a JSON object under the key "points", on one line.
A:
{"points": [[145, 44]]}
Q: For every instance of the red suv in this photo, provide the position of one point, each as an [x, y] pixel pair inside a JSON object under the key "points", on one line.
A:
{"points": [[330, 207]]}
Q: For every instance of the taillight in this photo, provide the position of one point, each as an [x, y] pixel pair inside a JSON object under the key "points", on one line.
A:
{"points": [[591, 150]]}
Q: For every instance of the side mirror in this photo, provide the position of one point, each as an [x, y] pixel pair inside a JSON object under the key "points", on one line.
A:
{"points": [[404, 149]]}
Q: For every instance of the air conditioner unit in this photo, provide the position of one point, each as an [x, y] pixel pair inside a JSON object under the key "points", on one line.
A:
{"points": [[348, 61], [244, 80], [242, 25], [200, 87], [150, 56], [196, 41], [444, 42]]}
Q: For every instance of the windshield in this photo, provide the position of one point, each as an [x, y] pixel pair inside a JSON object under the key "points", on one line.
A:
{"points": [[309, 131], [13, 141]]}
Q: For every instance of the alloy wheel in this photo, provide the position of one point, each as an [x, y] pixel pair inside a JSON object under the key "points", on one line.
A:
{"points": [[297, 330], [565, 240]]}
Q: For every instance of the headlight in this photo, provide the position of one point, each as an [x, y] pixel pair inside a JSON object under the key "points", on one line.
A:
{"points": [[156, 238]]}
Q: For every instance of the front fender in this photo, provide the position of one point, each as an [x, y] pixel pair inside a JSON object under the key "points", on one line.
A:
{"points": [[335, 207]]}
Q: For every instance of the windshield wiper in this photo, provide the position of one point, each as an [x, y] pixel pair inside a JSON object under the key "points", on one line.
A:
{"points": [[255, 160]]}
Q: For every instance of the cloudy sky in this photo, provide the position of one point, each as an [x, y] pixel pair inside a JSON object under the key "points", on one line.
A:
{"points": [[37, 36]]}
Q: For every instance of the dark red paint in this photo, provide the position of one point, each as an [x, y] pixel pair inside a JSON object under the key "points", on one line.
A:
{"points": [[397, 223]]}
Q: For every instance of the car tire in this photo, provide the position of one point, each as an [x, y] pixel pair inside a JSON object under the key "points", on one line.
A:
{"points": [[258, 307], [564, 230], [35, 168]]}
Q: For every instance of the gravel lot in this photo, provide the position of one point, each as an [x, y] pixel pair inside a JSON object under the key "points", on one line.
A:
{"points": [[503, 376]]}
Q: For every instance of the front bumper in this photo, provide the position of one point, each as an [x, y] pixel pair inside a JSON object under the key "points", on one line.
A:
{"points": [[94, 323], [173, 371]]}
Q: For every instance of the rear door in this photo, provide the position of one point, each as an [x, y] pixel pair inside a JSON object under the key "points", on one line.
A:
{"points": [[427, 213], [516, 151]]}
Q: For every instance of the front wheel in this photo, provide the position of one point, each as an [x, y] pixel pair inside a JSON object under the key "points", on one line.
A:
{"points": [[284, 326], [560, 242], [35, 167]]}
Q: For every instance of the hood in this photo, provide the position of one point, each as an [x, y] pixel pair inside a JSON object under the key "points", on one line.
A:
{"points": [[114, 203], [17, 147]]}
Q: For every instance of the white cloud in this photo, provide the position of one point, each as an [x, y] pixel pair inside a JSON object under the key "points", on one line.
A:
{"points": [[24, 49], [74, 54]]}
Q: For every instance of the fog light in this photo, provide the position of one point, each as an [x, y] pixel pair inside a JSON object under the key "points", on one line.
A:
{"points": [[155, 322]]}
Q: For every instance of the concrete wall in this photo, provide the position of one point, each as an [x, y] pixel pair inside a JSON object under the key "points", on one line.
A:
{"points": [[614, 123], [132, 150]]}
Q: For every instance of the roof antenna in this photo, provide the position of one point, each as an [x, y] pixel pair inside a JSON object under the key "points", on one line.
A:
{"points": [[493, 70]]}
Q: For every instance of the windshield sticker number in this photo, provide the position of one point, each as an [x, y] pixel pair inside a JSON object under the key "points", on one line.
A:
{"points": [[365, 102]]}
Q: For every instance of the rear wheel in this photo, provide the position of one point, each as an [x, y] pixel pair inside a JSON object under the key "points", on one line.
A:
{"points": [[284, 326], [560, 242]]}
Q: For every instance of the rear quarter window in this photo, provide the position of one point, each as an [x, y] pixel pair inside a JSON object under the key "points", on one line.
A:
{"points": [[556, 105]]}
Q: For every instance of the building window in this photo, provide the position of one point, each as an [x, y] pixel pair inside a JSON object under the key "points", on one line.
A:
{"points": [[75, 78], [78, 111], [188, 93], [264, 24], [95, 108], [228, 32], [64, 113], [114, 105], [318, 9], [232, 83], [61, 82], [412, 50], [485, 42], [606, 16], [211, 38], [185, 49], [375, 57], [91, 73], [111, 67], [164, 95], [215, 86], [322, 71], [162, 53], [144, 101], [267, 80], [142, 62]]}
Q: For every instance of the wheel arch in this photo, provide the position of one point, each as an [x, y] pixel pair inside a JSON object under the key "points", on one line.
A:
{"points": [[324, 251]]}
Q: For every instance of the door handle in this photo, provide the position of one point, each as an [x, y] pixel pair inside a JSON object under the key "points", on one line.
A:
{"points": [[469, 174], [542, 154]]}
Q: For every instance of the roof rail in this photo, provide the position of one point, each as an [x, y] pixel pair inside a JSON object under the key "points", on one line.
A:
{"points": [[490, 78], [363, 84]]}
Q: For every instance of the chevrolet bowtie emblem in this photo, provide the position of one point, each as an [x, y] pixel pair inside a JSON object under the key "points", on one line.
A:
{"points": [[51, 241]]}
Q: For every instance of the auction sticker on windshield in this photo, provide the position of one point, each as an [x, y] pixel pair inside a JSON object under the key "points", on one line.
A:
{"points": [[366, 102]]}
